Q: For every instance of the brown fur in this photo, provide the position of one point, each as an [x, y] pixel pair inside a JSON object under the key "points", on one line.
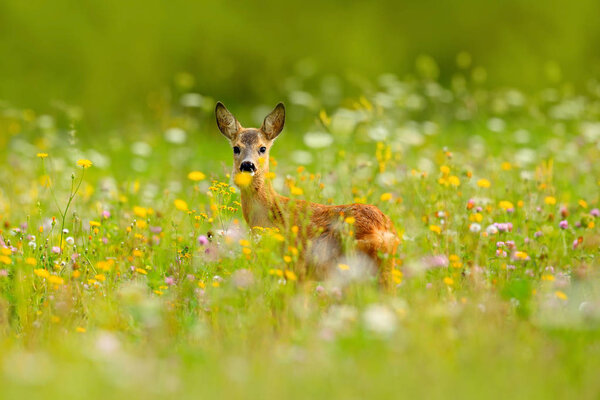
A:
{"points": [[373, 231]]}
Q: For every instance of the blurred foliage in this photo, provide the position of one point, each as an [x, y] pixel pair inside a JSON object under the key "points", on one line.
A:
{"points": [[112, 58]]}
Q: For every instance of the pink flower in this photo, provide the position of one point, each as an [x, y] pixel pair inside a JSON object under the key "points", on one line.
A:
{"points": [[595, 212], [202, 240], [106, 214], [564, 224], [169, 280], [56, 249]]}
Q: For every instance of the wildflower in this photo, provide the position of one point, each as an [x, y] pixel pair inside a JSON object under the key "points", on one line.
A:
{"points": [[380, 320], [94, 224], [56, 249], [296, 191], [5, 260], [564, 224], [100, 277], [484, 183], [521, 255], [141, 271], [491, 229], [242, 179], [386, 197], [30, 261], [343, 267], [475, 227], [506, 205], [290, 275], [435, 228], [550, 200], [444, 169], [80, 329], [42, 273], [141, 212], [448, 281], [84, 163], [57, 280], [595, 212], [350, 220], [70, 240], [42, 155], [196, 176], [202, 240], [454, 181], [582, 203], [561, 295], [506, 166], [181, 205]]}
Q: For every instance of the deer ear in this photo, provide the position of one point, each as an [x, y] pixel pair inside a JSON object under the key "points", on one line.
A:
{"points": [[273, 124], [226, 122]]}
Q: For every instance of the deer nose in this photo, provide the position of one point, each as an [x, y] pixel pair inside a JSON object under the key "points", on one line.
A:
{"points": [[247, 166]]}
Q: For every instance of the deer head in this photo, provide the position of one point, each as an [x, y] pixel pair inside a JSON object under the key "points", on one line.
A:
{"points": [[251, 146]]}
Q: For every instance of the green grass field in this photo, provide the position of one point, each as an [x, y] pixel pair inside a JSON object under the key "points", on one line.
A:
{"points": [[156, 288]]}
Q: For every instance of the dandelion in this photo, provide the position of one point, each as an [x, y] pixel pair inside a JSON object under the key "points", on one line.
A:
{"points": [[84, 163], [42, 155], [550, 200], [350, 220], [5, 260], [561, 295], [474, 227], [582, 203], [42, 273], [454, 181], [296, 191], [448, 281], [196, 176], [484, 183], [435, 229], [290, 275], [56, 280], [506, 205], [242, 179], [386, 197], [181, 205]]}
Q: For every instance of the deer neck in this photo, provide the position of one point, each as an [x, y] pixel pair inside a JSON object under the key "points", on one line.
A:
{"points": [[260, 205]]}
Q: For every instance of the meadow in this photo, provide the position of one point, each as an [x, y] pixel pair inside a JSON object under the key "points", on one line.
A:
{"points": [[127, 269]]}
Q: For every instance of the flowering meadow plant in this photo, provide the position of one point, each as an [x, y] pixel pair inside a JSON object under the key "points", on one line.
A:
{"points": [[126, 266]]}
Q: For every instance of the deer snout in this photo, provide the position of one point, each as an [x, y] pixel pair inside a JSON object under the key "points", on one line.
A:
{"points": [[247, 166]]}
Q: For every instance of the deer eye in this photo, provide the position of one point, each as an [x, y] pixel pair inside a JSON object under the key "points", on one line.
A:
{"points": [[262, 149], [236, 150]]}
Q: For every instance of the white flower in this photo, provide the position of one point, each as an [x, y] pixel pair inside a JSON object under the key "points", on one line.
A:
{"points": [[380, 319], [32, 244], [491, 230], [475, 227], [65, 231], [70, 240]]}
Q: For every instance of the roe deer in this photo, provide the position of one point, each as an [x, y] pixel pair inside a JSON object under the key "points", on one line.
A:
{"points": [[321, 236]]}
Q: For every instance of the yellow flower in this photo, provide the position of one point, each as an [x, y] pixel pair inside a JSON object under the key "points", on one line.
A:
{"points": [[454, 181], [94, 223], [84, 163], [350, 220], [506, 205], [42, 273], [386, 197], [242, 179], [435, 228], [244, 243], [484, 183], [180, 205], [296, 191], [521, 255], [141, 271], [583, 203], [246, 251], [287, 259], [444, 169], [100, 277], [80, 329], [561, 295], [196, 176], [5, 260], [141, 212], [549, 278], [448, 281], [30, 261], [279, 237], [42, 155], [290, 275], [57, 280], [343, 267], [506, 166], [5, 251], [550, 200]]}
